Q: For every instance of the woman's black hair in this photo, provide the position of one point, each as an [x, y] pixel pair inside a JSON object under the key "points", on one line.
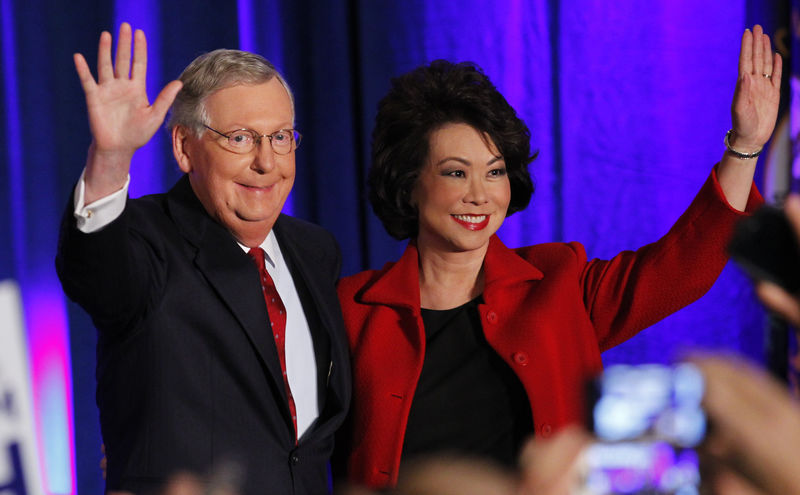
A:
{"points": [[419, 103]]}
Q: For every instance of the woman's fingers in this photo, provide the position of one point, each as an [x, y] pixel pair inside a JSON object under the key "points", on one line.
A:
{"points": [[746, 54], [767, 55], [758, 51], [777, 70]]}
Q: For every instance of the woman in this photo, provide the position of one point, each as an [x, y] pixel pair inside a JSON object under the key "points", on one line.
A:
{"points": [[466, 345]]}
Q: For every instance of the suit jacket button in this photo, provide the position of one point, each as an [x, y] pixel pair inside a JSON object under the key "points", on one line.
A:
{"points": [[491, 316], [294, 459], [520, 358], [546, 430]]}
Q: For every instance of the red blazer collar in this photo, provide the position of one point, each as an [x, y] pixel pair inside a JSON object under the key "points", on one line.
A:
{"points": [[504, 266], [398, 283]]}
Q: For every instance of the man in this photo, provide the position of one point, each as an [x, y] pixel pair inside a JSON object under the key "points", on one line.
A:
{"points": [[190, 376]]}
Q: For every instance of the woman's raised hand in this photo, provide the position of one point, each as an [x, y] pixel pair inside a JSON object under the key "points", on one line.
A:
{"points": [[754, 111], [755, 100]]}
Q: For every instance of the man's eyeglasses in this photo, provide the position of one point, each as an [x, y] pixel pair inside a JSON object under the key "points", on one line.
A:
{"points": [[244, 141]]}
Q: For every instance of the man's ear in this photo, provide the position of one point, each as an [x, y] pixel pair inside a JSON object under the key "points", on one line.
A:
{"points": [[180, 149]]}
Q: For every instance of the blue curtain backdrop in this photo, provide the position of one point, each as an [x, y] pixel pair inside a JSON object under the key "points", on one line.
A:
{"points": [[627, 102]]}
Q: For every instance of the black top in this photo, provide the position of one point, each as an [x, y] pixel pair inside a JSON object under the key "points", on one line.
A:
{"points": [[468, 401]]}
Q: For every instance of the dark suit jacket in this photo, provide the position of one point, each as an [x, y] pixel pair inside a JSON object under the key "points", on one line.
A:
{"points": [[188, 374]]}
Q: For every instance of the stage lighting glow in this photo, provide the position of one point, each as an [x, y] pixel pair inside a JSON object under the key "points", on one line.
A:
{"points": [[149, 161], [48, 347]]}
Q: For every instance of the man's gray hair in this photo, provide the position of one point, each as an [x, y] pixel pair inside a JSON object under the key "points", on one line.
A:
{"points": [[211, 72]]}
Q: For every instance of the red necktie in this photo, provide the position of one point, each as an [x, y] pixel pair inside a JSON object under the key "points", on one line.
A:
{"points": [[277, 318]]}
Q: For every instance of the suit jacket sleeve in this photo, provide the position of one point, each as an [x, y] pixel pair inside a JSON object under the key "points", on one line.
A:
{"points": [[112, 273]]}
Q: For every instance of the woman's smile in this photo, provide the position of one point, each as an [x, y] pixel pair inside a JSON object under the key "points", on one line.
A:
{"points": [[472, 222], [462, 193]]}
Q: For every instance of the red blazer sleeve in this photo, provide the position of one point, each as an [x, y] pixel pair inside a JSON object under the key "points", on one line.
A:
{"points": [[635, 289]]}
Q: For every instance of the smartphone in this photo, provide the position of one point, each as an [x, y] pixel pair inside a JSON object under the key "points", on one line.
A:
{"points": [[647, 420], [766, 247]]}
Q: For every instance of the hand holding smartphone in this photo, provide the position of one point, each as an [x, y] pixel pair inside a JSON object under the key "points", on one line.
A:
{"points": [[647, 420]]}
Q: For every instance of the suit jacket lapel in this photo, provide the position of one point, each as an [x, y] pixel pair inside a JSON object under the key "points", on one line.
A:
{"points": [[304, 263], [231, 273]]}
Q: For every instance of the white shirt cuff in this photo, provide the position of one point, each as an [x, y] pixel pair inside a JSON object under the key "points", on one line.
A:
{"points": [[93, 217]]}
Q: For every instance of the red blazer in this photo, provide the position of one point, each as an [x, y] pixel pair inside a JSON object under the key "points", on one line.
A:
{"points": [[548, 312]]}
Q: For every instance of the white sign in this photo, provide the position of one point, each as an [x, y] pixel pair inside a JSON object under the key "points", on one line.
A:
{"points": [[19, 463]]}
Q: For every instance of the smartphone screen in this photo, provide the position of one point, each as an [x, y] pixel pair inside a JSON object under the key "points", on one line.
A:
{"points": [[647, 420]]}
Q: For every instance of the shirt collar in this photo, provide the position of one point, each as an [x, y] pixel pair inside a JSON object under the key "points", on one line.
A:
{"points": [[271, 249]]}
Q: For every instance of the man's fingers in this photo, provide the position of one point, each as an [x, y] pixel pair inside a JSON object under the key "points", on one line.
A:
{"points": [[779, 301], [165, 98], [731, 483], [792, 209], [139, 70], [549, 465], [756, 422], [741, 398], [84, 74], [122, 67], [105, 70]]}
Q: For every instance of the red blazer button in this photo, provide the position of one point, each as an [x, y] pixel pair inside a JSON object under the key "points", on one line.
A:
{"points": [[520, 358], [546, 430], [491, 316]]}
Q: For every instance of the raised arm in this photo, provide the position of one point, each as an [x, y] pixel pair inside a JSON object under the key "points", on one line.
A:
{"points": [[121, 119], [754, 111]]}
